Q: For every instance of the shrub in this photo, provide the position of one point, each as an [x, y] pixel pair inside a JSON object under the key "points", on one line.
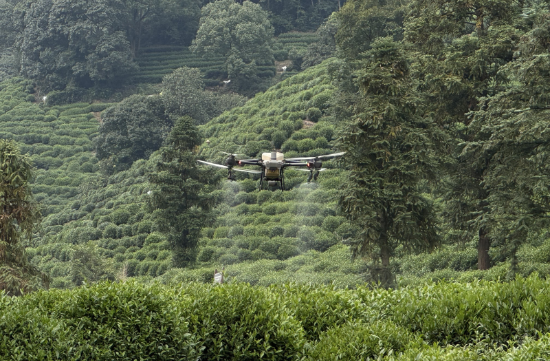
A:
{"points": [[244, 255], [207, 232], [249, 231], [320, 308], [286, 251], [357, 341], [270, 209], [291, 231], [206, 253], [110, 231], [322, 241], [236, 230], [221, 232], [98, 322], [306, 235], [270, 246], [144, 227], [263, 230], [314, 114], [228, 258], [239, 322], [263, 196], [243, 197], [258, 254], [276, 231], [120, 216], [242, 243], [278, 138], [290, 145], [164, 255], [331, 223], [88, 234], [154, 238]]}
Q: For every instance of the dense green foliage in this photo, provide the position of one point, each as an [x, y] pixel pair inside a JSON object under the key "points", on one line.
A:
{"points": [[19, 214], [473, 321], [182, 195], [390, 151], [470, 68], [441, 106], [95, 45], [83, 47], [131, 130]]}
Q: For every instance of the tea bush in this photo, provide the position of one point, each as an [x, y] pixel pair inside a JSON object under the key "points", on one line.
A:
{"points": [[357, 341], [107, 321], [241, 322], [235, 321]]}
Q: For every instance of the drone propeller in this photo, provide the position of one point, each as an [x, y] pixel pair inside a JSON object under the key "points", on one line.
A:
{"points": [[248, 171], [310, 170], [233, 154], [212, 164], [226, 167], [327, 156]]}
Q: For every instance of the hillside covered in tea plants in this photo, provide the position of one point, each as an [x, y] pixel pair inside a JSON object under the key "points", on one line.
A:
{"points": [[442, 121], [96, 226]]}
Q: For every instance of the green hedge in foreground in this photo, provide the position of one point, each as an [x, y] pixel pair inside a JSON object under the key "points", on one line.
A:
{"points": [[132, 321], [104, 322]]}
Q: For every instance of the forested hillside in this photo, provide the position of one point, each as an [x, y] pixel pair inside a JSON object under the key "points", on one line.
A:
{"points": [[422, 231]]}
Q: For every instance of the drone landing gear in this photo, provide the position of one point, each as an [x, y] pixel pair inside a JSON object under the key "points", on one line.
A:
{"points": [[312, 175], [230, 175]]}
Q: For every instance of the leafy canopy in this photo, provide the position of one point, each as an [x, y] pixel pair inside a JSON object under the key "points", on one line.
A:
{"points": [[19, 215], [182, 197]]}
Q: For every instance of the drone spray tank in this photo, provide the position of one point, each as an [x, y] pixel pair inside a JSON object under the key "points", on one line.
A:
{"points": [[273, 163]]}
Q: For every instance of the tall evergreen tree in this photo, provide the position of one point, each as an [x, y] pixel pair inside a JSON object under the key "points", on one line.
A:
{"points": [[389, 148], [182, 199], [460, 48], [510, 142], [19, 215]]}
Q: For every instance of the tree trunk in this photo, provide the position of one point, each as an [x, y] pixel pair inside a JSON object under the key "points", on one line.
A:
{"points": [[383, 275], [479, 22], [384, 250], [483, 245]]}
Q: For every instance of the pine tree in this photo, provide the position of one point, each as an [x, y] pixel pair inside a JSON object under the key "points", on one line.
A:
{"points": [[460, 48], [182, 199], [389, 148], [510, 141], [19, 215]]}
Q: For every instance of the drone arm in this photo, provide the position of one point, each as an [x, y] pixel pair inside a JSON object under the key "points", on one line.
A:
{"points": [[212, 164], [292, 164], [249, 162]]}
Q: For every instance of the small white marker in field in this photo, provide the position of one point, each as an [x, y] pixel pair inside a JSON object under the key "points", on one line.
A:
{"points": [[218, 276]]}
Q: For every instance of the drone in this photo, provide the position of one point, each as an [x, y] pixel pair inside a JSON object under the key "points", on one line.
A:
{"points": [[272, 167]]}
